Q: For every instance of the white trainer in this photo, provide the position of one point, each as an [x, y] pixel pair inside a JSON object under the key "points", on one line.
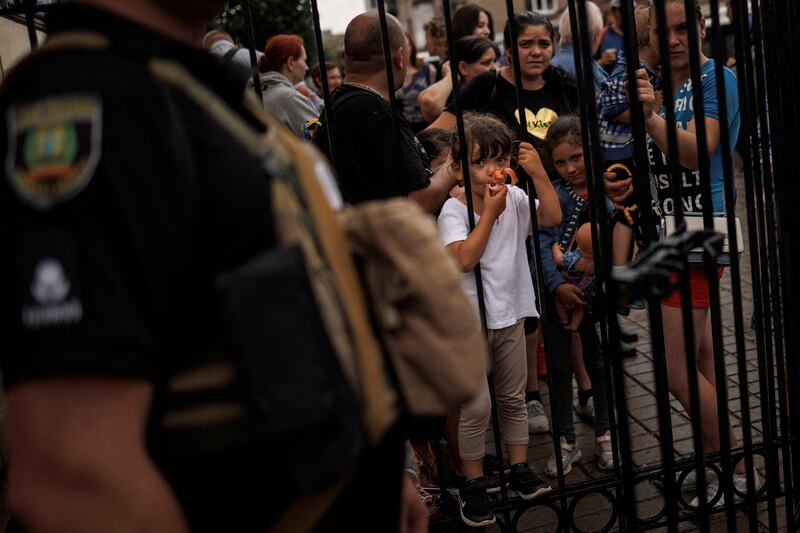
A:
{"points": [[537, 419], [739, 483], [602, 447], [570, 454]]}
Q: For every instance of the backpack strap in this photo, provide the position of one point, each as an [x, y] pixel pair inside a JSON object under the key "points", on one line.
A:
{"points": [[322, 131]]}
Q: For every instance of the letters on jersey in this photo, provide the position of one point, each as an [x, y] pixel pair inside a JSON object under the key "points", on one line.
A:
{"points": [[54, 148]]}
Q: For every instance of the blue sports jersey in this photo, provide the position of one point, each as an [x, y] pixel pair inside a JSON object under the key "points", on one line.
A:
{"points": [[684, 113]]}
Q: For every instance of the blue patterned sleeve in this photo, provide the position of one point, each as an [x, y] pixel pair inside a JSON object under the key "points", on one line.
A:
{"points": [[613, 99]]}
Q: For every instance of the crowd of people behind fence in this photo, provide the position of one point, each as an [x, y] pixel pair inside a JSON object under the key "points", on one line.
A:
{"points": [[414, 150], [423, 163], [369, 168]]}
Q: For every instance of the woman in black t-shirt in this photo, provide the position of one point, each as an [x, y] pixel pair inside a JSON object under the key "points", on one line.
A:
{"points": [[547, 91]]}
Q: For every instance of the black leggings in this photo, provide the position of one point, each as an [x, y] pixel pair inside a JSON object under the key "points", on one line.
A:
{"points": [[559, 361]]}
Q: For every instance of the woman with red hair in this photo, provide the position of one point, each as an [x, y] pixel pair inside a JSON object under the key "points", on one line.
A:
{"points": [[283, 66]]}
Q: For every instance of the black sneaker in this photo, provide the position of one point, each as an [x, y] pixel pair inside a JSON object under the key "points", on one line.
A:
{"points": [[491, 469], [454, 484], [524, 482], [473, 504]]}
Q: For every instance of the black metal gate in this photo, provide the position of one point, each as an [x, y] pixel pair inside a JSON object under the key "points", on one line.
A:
{"points": [[657, 445]]}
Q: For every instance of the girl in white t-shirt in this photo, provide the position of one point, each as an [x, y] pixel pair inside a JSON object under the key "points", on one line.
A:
{"points": [[502, 215]]}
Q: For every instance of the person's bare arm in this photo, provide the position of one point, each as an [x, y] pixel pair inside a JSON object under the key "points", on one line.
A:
{"points": [[549, 211], [446, 121], [657, 127], [78, 460], [433, 99], [469, 251], [434, 195]]}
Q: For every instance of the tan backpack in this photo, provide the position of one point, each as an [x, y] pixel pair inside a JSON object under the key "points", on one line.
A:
{"points": [[426, 321]]}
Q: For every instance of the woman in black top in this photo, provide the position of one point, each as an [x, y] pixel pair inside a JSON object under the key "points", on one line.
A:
{"points": [[547, 91]]}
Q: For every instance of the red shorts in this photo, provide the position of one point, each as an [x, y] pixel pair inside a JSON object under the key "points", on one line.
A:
{"points": [[698, 288]]}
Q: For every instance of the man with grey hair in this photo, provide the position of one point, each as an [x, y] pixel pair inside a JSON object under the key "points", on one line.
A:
{"points": [[372, 148], [564, 58]]}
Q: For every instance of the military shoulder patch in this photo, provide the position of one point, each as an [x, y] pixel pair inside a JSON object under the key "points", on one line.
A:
{"points": [[53, 148]]}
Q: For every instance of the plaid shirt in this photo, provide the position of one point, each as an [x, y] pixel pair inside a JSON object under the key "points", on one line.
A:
{"points": [[615, 137]]}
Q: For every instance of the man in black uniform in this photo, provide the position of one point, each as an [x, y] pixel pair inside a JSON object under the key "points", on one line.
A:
{"points": [[375, 153], [119, 204]]}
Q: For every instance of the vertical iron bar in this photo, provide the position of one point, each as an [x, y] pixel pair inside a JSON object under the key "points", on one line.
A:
{"points": [[789, 287], [465, 159], [251, 37], [774, 101], [686, 310], [323, 78], [710, 263], [642, 192], [609, 331], [522, 130], [751, 157], [30, 22], [466, 156], [765, 151], [323, 73], [641, 177], [736, 287], [387, 62], [387, 58], [781, 89]]}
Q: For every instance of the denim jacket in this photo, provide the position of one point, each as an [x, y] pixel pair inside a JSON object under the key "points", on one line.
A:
{"points": [[547, 236]]}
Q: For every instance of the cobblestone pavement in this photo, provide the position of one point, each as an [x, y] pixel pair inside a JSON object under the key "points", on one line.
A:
{"points": [[593, 512]]}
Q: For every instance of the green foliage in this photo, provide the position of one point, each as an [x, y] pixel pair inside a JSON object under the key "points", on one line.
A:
{"points": [[270, 17]]}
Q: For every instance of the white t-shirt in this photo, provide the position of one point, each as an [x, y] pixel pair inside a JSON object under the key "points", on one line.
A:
{"points": [[507, 284]]}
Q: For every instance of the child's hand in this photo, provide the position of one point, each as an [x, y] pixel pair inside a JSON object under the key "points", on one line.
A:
{"points": [[575, 320], [608, 57], [494, 200], [617, 190], [529, 159], [563, 314], [558, 255]]}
